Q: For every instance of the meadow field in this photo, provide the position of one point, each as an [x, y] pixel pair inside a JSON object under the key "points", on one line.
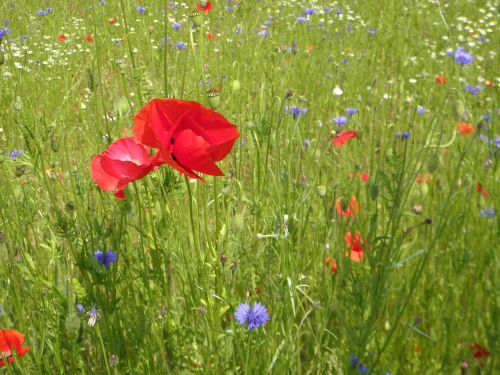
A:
{"points": [[249, 187]]}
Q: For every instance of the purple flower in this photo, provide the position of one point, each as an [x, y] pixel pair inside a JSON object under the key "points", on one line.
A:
{"points": [[309, 11], [339, 12], [140, 10], [102, 3], [105, 258], [362, 369], [295, 111], [176, 25], [372, 31], [301, 20], [463, 57], [354, 360], [15, 153], [93, 314], [41, 13], [4, 31], [420, 110], [180, 45], [49, 10], [263, 32], [474, 90], [340, 121], [403, 136], [351, 111], [255, 316], [488, 212], [80, 308]]}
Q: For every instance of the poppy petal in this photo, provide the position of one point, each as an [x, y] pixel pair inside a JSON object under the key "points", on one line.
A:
{"points": [[343, 137]]}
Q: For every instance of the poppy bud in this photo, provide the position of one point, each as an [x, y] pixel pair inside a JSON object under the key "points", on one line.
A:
{"points": [[235, 85], [196, 17], [374, 190], [18, 104], [213, 98], [234, 267], [223, 259], [288, 94], [424, 188], [428, 221]]}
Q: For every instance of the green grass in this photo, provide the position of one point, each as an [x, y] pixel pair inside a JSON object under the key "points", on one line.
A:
{"points": [[423, 294]]}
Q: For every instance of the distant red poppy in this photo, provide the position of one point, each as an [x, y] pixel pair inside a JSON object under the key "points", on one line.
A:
{"points": [[10, 340], [479, 350], [62, 38], [441, 80], [333, 264], [425, 178], [89, 38], [482, 190], [123, 162], [344, 208], [488, 83], [465, 128], [111, 21], [364, 176], [211, 35], [354, 241], [205, 7], [343, 137], [189, 136]]}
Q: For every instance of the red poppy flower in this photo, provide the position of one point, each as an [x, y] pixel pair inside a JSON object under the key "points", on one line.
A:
{"points": [[11, 339], [488, 83], [425, 178], [211, 35], [89, 38], [465, 128], [364, 176], [205, 7], [189, 136], [111, 21], [343, 137], [347, 208], [482, 190], [479, 351], [356, 252], [123, 162], [441, 80], [62, 38], [333, 264]]}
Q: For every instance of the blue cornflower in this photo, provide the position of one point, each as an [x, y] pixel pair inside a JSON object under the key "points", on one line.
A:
{"points": [[4, 31], [463, 57], [474, 90], [15, 153], [263, 32], [105, 258], [420, 110], [340, 120], [372, 31], [403, 136], [176, 25], [93, 314], [295, 111], [301, 20], [309, 11], [362, 369], [180, 45], [488, 212], [487, 117], [41, 13], [354, 360], [49, 10], [351, 111], [327, 9], [339, 12], [80, 308], [102, 3], [140, 10], [255, 316]]}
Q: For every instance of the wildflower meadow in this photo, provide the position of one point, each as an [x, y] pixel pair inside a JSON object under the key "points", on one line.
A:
{"points": [[249, 187]]}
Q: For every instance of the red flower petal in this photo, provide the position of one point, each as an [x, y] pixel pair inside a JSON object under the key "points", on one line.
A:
{"points": [[9, 340], [124, 161], [343, 137], [351, 209], [189, 136]]}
